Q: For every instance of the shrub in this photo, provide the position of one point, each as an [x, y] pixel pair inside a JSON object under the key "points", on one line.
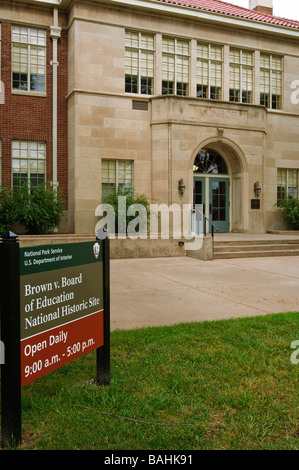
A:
{"points": [[7, 210], [290, 212], [39, 209]]}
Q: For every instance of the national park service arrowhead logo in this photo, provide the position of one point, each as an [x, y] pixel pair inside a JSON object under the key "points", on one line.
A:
{"points": [[96, 250]]}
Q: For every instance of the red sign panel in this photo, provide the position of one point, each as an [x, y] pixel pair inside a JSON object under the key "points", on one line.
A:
{"points": [[48, 351]]}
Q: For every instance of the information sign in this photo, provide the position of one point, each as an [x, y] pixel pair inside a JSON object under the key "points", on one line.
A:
{"points": [[61, 305], [54, 308]]}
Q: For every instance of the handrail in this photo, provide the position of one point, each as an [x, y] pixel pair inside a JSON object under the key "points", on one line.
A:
{"points": [[196, 210]]}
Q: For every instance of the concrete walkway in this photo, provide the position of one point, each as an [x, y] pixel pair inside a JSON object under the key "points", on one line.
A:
{"points": [[165, 291]]}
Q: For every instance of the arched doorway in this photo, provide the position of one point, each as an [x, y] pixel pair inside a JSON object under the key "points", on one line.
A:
{"points": [[211, 189]]}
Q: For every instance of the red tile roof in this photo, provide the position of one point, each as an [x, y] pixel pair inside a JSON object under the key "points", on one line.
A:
{"points": [[224, 8]]}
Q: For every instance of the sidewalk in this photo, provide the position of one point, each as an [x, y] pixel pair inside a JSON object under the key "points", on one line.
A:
{"points": [[165, 291]]}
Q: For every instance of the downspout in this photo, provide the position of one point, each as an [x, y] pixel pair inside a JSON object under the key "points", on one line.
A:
{"points": [[55, 34]]}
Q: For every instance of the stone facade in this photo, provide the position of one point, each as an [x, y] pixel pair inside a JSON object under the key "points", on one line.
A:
{"points": [[162, 134], [164, 140]]}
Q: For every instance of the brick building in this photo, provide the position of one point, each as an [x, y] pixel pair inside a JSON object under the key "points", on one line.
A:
{"points": [[150, 94], [33, 117]]}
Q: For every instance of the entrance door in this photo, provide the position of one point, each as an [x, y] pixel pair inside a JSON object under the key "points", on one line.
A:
{"points": [[199, 198], [219, 203], [211, 189]]}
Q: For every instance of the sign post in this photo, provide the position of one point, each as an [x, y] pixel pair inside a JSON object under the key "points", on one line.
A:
{"points": [[10, 337], [55, 308], [103, 353]]}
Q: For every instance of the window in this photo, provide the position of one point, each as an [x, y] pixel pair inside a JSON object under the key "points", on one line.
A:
{"points": [[271, 81], [241, 76], [175, 67], [28, 59], [209, 71], [210, 162], [116, 174], [287, 184], [139, 63], [28, 163]]}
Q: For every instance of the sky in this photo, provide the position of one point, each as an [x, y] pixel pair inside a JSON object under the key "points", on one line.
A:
{"points": [[283, 8]]}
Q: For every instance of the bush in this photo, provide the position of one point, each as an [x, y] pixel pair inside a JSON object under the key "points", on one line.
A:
{"points": [[38, 209], [7, 210], [122, 219], [290, 212]]}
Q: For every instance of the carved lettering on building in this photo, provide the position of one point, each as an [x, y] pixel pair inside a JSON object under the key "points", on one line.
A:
{"points": [[217, 114]]}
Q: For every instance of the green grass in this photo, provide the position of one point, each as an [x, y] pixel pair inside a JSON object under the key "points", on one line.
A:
{"points": [[212, 385]]}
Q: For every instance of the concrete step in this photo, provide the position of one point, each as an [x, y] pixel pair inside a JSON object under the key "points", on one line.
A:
{"points": [[255, 248], [257, 242], [260, 247], [254, 254]]}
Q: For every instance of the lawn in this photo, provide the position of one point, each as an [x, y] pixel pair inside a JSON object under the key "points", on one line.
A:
{"points": [[213, 385]]}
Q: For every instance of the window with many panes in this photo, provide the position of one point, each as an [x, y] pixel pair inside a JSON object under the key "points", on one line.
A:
{"points": [[241, 76], [139, 63], [271, 81], [116, 174], [175, 67], [287, 184], [140, 51], [28, 59], [28, 163], [209, 71]]}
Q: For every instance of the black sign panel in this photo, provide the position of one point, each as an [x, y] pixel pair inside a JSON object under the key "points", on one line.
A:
{"points": [[255, 204]]}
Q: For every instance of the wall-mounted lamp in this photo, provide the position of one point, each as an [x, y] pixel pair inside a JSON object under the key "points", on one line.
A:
{"points": [[257, 189], [181, 186]]}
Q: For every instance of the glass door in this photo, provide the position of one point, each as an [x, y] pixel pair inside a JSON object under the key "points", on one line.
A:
{"points": [[219, 203], [199, 199]]}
